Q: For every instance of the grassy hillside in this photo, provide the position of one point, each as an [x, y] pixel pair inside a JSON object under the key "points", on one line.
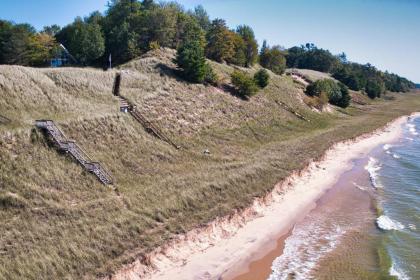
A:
{"points": [[59, 222]]}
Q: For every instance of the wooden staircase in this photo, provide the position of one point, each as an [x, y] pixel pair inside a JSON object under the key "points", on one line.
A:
{"points": [[126, 106], [76, 151], [117, 85], [150, 127]]}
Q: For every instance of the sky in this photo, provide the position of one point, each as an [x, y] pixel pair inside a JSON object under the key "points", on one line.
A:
{"points": [[385, 33]]}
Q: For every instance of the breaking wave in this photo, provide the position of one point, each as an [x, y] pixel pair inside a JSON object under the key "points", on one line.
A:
{"points": [[397, 272], [387, 147], [385, 223], [373, 168], [396, 156], [303, 249], [412, 129]]}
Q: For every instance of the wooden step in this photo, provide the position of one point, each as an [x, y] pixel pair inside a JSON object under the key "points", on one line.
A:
{"points": [[75, 150]]}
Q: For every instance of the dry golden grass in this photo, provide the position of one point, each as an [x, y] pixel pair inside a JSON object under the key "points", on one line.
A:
{"points": [[59, 222], [310, 75], [27, 94]]}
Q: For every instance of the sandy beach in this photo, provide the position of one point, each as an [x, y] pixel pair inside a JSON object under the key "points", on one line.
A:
{"points": [[225, 248]]}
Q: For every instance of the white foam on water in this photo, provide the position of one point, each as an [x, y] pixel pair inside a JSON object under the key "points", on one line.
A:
{"points": [[384, 222], [396, 156], [303, 249], [412, 227], [409, 139], [388, 146], [412, 129], [373, 167], [397, 272]]}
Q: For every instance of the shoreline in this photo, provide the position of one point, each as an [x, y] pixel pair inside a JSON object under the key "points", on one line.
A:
{"points": [[263, 268], [210, 252]]}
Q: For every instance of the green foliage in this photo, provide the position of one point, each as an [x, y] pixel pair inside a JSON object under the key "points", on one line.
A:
{"points": [[20, 44], [122, 41], [375, 88], [220, 42], [84, 40], [202, 17], [41, 48], [51, 30], [345, 99], [356, 76], [239, 54], [191, 59], [244, 84], [188, 29], [210, 77], [130, 28], [262, 78], [337, 93], [311, 57], [250, 48], [273, 59]]}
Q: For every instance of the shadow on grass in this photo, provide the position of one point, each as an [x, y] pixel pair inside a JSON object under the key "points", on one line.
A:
{"points": [[232, 91], [165, 70]]}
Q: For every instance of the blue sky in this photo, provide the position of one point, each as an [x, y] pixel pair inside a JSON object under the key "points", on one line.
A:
{"points": [[385, 33]]}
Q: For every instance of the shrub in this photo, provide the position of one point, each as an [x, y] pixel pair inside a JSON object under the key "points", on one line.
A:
{"points": [[273, 59], [190, 58], [210, 77], [337, 93], [316, 102], [244, 84], [374, 88], [261, 78], [345, 99], [154, 45]]}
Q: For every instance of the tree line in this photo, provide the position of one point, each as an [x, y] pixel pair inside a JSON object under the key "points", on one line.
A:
{"points": [[354, 75], [129, 28]]}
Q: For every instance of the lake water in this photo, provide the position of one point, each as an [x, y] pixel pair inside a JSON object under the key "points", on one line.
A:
{"points": [[366, 227]]}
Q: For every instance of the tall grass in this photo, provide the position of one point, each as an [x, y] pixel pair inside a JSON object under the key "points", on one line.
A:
{"points": [[59, 222]]}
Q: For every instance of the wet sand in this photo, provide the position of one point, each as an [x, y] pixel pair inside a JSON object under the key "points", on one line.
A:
{"points": [[351, 200], [261, 268]]}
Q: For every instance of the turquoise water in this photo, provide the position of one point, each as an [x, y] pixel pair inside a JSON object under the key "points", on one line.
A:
{"points": [[397, 180]]}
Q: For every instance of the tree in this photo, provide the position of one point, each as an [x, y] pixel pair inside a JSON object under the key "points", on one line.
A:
{"points": [[159, 25], [239, 54], [95, 17], [273, 59], [84, 41], [51, 30], [220, 42], [191, 59], [41, 48], [262, 78], [251, 45], [188, 29], [337, 93], [244, 84], [15, 41], [311, 57], [203, 19], [345, 99], [122, 41], [148, 4], [374, 88]]}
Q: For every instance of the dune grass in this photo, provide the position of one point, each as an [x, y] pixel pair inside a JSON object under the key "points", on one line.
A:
{"points": [[59, 222]]}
